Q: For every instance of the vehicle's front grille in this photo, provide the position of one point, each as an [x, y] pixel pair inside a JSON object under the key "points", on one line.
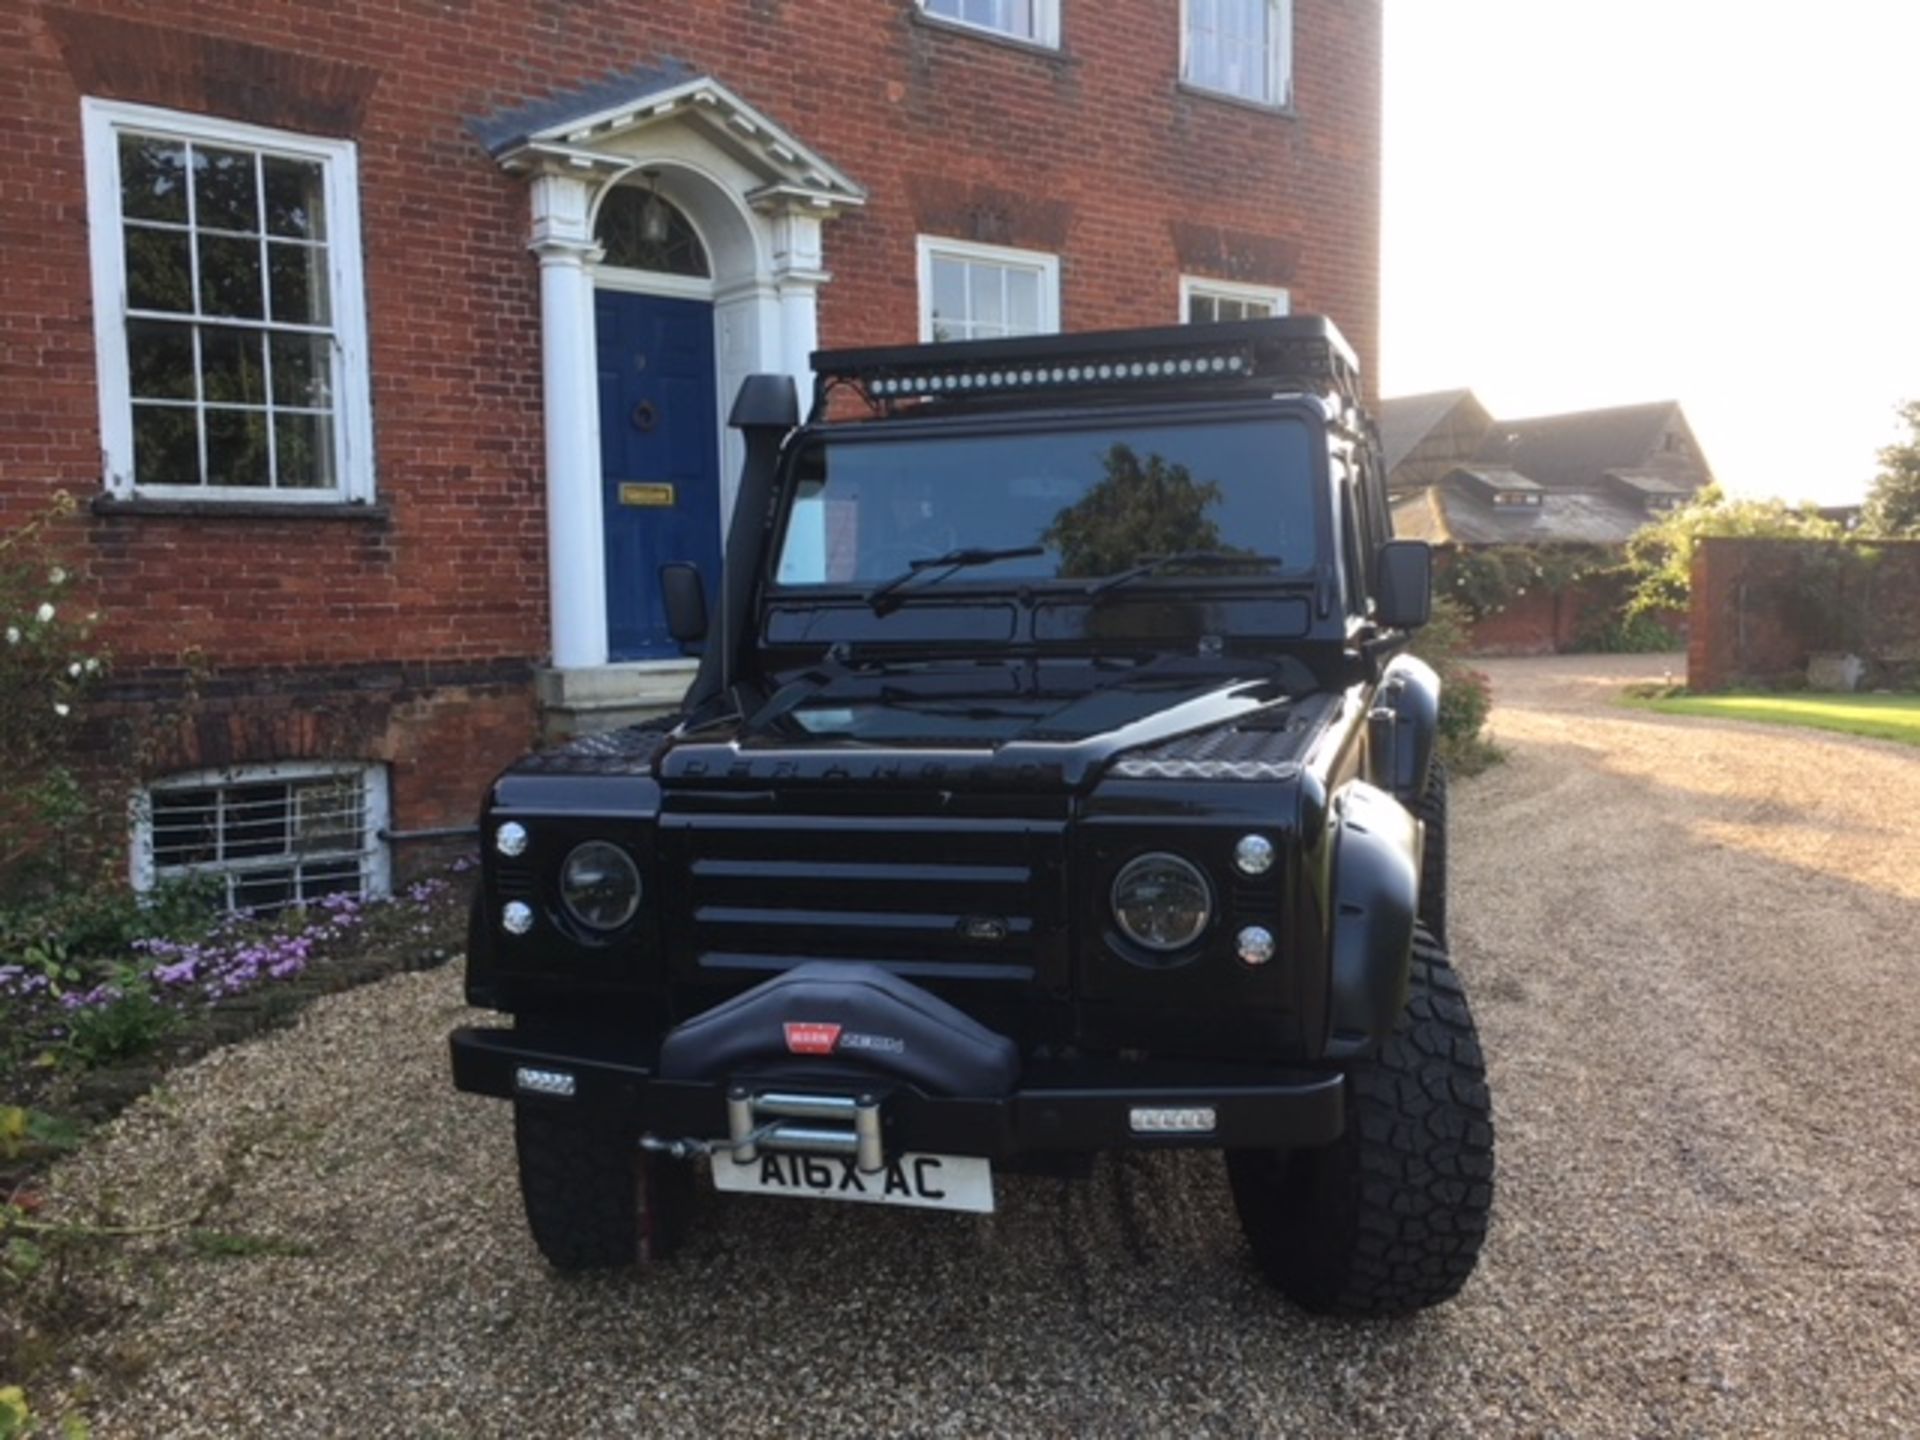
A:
{"points": [[931, 896]]}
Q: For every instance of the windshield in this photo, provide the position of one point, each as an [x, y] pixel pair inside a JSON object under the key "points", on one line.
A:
{"points": [[1093, 502]]}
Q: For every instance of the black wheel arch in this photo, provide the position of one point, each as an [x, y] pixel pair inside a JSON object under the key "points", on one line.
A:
{"points": [[1404, 725], [1376, 897]]}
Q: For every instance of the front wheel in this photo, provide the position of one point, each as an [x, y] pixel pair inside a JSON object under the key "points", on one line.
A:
{"points": [[594, 1200], [1389, 1218]]}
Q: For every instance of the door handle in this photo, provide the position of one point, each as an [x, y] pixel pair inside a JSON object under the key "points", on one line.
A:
{"points": [[645, 417]]}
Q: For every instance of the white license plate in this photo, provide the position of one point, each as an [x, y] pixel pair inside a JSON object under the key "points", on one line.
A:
{"points": [[925, 1182]]}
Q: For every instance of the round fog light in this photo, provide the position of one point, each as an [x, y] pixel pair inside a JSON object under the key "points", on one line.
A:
{"points": [[1256, 945], [1253, 855], [516, 918], [511, 839]]}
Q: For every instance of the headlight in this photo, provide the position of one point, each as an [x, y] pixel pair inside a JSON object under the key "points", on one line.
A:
{"points": [[1162, 902], [600, 885]]}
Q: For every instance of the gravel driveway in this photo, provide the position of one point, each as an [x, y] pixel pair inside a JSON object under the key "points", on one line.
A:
{"points": [[1691, 947]]}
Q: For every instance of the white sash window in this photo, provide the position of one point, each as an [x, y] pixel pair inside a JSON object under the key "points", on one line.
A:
{"points": [[228, 307]]}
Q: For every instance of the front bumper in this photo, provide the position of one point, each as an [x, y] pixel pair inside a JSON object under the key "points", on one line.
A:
{"points": [[1061, 1106]]}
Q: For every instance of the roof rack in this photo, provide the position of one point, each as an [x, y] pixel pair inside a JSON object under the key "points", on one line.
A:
{"points": [[1306, 351]]}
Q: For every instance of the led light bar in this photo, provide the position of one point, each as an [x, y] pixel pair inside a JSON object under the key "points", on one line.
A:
{"points": [[1306, 351], [1172, 1120]]}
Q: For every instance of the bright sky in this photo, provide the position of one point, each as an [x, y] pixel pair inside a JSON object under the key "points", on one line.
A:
{"points": [[1596, 202]]}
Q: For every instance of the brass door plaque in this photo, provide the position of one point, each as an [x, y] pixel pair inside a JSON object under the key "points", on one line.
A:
{"points": [[646, 493]]}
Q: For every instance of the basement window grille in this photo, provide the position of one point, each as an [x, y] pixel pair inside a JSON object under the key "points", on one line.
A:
{"points": [[272, 836]]}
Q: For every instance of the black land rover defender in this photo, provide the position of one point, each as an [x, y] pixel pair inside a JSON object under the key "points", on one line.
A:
{"points": [[1052, 782]]}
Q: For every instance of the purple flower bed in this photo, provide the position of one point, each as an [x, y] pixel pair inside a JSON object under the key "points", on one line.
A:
{"points": [[58, 1000]]}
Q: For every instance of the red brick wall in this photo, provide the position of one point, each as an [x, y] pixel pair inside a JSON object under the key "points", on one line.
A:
{"points": [[1761, 608], [1094, 152]]}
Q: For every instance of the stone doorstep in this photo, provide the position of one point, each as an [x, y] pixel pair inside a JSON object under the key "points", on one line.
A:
{"points": [[594, 699]]}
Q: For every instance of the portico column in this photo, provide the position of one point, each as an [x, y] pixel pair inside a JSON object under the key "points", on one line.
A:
{"points": [[576, 555], [797, 278]]}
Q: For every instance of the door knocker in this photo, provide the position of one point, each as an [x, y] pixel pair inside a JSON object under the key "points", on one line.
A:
{"points": [[645, 417]]}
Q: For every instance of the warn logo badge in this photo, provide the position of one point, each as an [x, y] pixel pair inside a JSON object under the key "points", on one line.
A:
{"points": [[806, 1037]]}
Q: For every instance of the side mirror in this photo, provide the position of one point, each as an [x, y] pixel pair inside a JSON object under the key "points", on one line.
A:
{"points": [[685, 594], [1405, 601]]}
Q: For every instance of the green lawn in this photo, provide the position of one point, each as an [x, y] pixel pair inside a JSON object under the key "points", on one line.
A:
{"points": [[1883, 717]]}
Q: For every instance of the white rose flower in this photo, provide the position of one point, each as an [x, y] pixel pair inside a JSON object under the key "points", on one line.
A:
{"points": [[56, 576], [75, 670], [45, 612], [62, 709], [93, 666], [13, 634]]}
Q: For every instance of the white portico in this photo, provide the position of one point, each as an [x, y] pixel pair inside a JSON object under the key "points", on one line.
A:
{"points": [[756, 198]]}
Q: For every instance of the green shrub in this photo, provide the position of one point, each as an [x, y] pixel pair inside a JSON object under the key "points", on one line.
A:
{"points": [[128, 1023], [1633, 633], [1466, 694]]}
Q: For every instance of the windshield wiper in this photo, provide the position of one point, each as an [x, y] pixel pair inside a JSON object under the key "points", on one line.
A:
{"points": [[1201, 559], [947, 564]]}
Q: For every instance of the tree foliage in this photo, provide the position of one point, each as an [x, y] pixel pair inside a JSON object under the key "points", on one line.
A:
{"points": [[1893, 501], [1142, 507], [1660, 555]]}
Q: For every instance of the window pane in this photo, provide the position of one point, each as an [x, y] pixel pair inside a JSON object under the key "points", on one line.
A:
{"points": [[230, 366], [305, 451], [236, 447], [1023, 301], [160, 359], [159, 270], [229, 276], [989, 300], [949, 298], [328, 815], [1200, 309], [297, 275], [296, 198], [254, 821], [166, 446], [183, 826], [330, 877], [263, 890], [225, 196], [153, 179], [302, 370]]}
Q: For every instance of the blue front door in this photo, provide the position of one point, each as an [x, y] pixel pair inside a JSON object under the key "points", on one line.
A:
{"points": [[659, 459]]}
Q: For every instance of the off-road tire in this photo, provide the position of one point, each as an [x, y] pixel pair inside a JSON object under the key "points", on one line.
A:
{"points": [[594, 1199], [1431, 810], [1388, 1219]]}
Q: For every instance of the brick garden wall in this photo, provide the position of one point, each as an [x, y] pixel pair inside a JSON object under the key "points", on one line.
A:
{"points": [[1761, 608], [1094, 152]]}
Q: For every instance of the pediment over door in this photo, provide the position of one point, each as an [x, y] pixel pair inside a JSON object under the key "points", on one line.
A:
{"points": [[608, 127]]}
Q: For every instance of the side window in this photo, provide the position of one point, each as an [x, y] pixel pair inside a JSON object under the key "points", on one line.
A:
{"points": [[1035, 21], [1353, 558], [228, 308], [1203, 301], [986, 292], [1241, 48]]}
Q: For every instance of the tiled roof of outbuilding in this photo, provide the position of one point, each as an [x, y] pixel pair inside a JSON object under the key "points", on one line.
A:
{"points": [[1574, 450]]}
